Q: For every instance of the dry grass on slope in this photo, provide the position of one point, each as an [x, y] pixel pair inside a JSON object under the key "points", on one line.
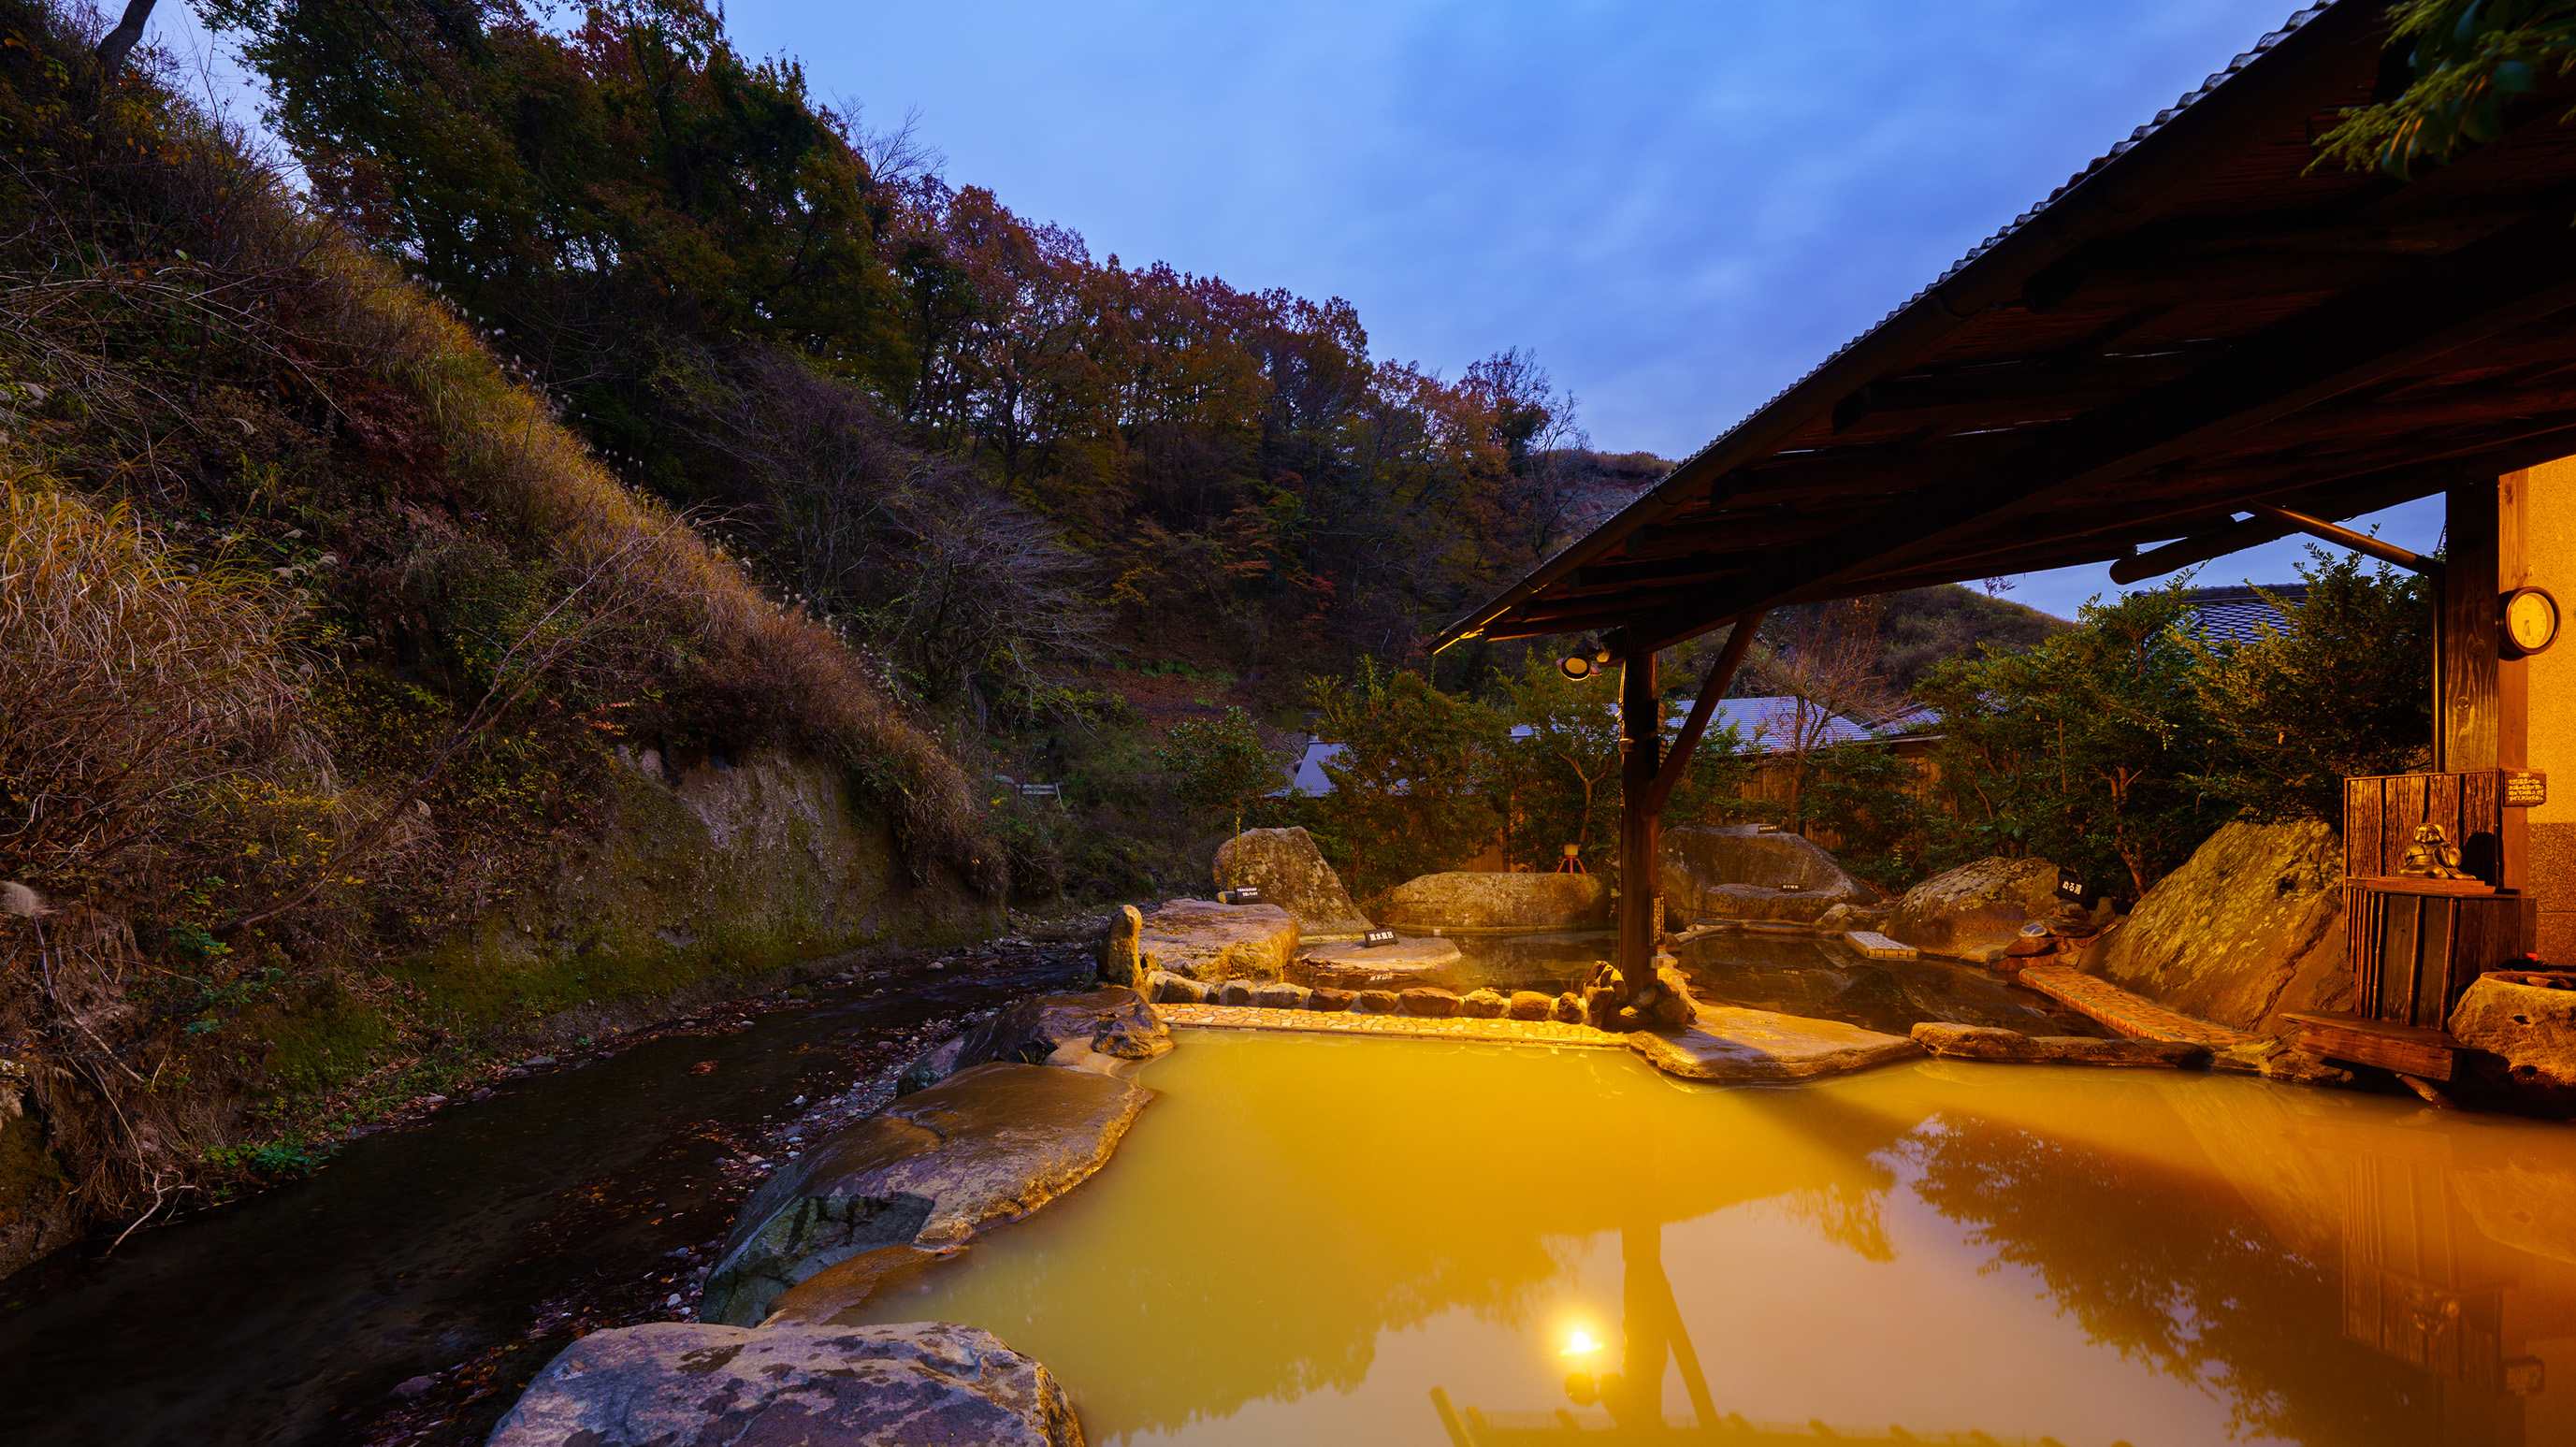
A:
{"points": [[770, 668]]}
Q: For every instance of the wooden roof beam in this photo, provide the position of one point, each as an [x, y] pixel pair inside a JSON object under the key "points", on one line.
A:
{"points": [[2526, 271]]}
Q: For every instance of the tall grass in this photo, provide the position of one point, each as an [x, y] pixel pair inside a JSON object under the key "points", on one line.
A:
{"points": [[128, 686]]}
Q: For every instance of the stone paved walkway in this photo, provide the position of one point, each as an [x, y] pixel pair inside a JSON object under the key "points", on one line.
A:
{"points": [[2129, 1014], [1343, 1022]]}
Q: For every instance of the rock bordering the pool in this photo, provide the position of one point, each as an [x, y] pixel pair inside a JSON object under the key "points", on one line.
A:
{"points": [[1744, 872], [1290, 872], [671, 1382], [987, 1145], [1474, 902], [1206, 940]]}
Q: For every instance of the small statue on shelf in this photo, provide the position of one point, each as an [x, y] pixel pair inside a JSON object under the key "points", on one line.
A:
{"points": [[2432, 855]]}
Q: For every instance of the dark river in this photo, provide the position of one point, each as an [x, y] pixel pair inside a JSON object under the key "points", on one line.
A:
{"points": [[483, 1240]]}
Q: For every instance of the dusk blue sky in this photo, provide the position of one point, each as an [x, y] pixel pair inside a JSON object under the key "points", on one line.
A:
{"points": [[1680, 208]]}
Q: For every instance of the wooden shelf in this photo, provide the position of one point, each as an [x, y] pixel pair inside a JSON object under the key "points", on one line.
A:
{"points": [[2409, 884], [2406, 1049]]}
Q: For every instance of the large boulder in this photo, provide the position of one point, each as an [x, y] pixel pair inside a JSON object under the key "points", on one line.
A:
{"points": [[1206, 940], [986, 1145], [1398, 966], [1291, 873], [2249, 927], [1119, 962], [1972, 912], [673, 1382], [2524, 1039], [1742, 872], [1500, 903]]}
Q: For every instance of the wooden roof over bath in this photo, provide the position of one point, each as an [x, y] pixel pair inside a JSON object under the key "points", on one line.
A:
{"points": [[2196, 323]]}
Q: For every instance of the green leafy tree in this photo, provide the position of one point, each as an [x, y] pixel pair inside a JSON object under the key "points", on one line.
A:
{"points": [[1221, 765], [2470, 59], [2081, 750], [1559, 782], [2344, 689], [1411, 791]]}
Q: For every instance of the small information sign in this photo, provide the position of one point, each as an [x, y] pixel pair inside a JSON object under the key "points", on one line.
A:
{"points": [[2069, 887], [1244, 894], [1377, 937], [2524, 789]]}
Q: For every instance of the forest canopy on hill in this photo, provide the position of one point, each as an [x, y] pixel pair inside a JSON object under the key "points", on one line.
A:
{"points": [[947, 424]]}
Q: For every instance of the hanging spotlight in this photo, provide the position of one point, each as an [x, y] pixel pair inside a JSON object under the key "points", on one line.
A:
{"points": [[1585, 662]]}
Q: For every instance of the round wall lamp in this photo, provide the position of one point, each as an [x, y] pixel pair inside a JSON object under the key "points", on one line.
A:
{"points": [[2530, 622]]}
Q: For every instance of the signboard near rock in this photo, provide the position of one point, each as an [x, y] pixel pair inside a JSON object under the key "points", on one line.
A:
{"points": [[1287, 869]]}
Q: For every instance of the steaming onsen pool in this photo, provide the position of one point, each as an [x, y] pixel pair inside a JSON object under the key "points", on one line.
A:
{"points": [[1304, 1237]]}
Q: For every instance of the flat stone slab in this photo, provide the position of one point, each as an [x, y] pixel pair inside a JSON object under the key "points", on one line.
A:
{"points": [[1206, 940], [1318, 1022], [1741, 1046], [1877, 946], [1475, 902], [1398, 966], [681, 1382], [1980, 1042], [986, 1145], [2131, 1015]]}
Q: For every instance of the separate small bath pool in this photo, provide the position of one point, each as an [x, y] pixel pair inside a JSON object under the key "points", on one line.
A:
{"points": [[1326, 1240], [1794, 974]]}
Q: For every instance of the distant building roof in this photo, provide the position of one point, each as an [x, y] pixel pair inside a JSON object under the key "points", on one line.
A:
{"points": [[2241, 615]]}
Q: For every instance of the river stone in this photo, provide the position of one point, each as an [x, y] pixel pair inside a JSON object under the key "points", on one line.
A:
{"points": [[1501, 903], [678, 1382], [1034, 1030], [1119, 962], [846, 1286], [1484, 1004], [1972, 912], [1979, 1042], [2524, 1037], [1374, 1002], [1280, 997], [1206, 940], [1233, 992], [1734, 1045], [1164, 987], [933, 1066], [1290, 873], [1399, 966], [1430, 1003], [1328, 999], [1844, 918], [987, 1145], [1738, 872], [1530, 1005], [2248, 928]]}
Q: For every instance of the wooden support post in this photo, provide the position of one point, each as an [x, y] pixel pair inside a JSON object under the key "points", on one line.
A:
{"points": [[1640, 757], [2465, 726]]}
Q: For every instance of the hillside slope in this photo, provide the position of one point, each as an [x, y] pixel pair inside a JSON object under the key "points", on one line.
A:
{"points": [[355, 720]]}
